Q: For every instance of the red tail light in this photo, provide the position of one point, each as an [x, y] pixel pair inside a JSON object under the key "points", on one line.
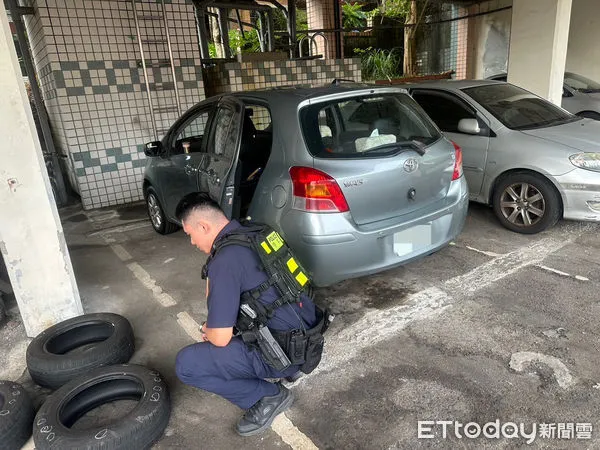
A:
{"points": [[316, 191], [458, 168]]}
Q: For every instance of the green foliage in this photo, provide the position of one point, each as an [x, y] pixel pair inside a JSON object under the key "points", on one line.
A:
{"points": [[212, 50], [301, 20], [378, 64], [353, 16], [279, 20], [247, 44], [397, 9]]}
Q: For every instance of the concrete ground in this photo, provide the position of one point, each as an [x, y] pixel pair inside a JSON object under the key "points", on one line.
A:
{"points": [[497, 326]]}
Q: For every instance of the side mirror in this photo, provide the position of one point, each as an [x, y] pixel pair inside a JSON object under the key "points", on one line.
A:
{"points": [[469, 126], [153, 148], [566, 93]]}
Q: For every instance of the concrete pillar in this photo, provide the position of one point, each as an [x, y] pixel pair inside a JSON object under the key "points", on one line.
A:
{"points": [[31, 236], [538, 46], [321, 15], [461, 34], [583, 56]]}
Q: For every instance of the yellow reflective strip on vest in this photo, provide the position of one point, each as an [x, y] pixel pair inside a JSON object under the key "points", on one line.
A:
{"points": [[301, 278], [292, 265], [275, 240], [265, 247]]}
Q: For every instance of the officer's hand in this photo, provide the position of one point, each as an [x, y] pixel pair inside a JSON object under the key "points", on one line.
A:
{"points": [[203, 332]]}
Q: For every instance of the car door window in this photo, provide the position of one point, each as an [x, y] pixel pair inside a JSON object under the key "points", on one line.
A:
{"points": [[445, 110], [224, 138], [259, 116], [257, 136], [189, 138]]}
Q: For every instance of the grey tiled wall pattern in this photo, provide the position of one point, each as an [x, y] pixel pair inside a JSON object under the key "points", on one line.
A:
{"points": [[233, 77], [89, 66]]}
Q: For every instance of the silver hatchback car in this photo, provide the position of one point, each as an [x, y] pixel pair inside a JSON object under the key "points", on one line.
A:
{"points": [[357, 179]]}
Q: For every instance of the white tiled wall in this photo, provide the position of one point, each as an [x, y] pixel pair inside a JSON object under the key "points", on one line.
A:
{"points": [[89, 66]]}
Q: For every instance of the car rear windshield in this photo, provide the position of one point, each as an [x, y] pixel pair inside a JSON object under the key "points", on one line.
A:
{"points": [[517, 108], [366, 126], [581, 84]]}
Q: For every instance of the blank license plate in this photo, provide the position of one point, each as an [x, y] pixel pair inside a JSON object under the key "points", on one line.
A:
{"points": [[412, 239]]}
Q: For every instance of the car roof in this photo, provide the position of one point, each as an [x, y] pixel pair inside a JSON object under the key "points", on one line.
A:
{"points": [[451, 84], [299, 93]]}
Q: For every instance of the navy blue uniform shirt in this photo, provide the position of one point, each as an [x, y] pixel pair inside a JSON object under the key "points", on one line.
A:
{"points": [[236, 269]]}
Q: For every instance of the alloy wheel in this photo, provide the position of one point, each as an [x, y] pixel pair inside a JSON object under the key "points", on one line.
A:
{"points": [[522, 204], [154, 211]]}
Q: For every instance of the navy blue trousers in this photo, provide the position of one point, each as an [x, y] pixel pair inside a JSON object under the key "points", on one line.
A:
{"points": [[234, 372]]}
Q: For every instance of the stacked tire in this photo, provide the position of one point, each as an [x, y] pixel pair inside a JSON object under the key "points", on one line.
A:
{"points": [[84, 360], [16, 415]]}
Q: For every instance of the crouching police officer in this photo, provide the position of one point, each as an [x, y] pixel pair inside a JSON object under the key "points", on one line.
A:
{"points": [[261, 320]]}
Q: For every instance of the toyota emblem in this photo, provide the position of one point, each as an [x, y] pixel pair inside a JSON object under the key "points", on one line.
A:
{"points": [[410, 165]]}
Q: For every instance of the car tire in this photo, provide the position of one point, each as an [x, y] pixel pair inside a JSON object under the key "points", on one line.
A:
{"points": [[589, 115], [529, 212], [16, 416], [76, 346], [158, 219], [138, 429]]}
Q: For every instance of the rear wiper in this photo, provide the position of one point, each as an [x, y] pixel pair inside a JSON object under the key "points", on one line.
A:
{"points": [[417, 146]]}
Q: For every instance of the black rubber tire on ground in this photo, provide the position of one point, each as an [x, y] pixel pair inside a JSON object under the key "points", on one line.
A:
{"points": [[165, 227], [551, 199], [139, 429], [74, 347], [589, 115], [16, 416]]}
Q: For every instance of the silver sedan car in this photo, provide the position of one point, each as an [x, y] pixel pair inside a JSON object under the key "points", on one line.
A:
{"points": [[357, 179], [531, 160]]}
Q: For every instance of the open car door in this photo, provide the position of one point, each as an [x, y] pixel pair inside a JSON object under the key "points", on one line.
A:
{"points": [[217, 170]]}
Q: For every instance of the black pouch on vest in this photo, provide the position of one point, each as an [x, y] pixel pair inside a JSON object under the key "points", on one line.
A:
{"points": [[314, 350], [296, 347]]}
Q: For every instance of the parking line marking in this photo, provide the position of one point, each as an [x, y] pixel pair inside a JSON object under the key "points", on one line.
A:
{"points": [[144, 277], [120, 251], [520, 360], [120, 229], [506, 265], [190, 326], [564, 274], [291, 435], [556, 271], [483, 252], [378, 325]]}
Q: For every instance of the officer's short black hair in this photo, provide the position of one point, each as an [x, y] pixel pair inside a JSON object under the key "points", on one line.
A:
{"points": [[196, 202]]}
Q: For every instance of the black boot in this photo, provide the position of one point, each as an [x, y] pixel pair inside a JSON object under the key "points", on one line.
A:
{"points": [[260, 416]]}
